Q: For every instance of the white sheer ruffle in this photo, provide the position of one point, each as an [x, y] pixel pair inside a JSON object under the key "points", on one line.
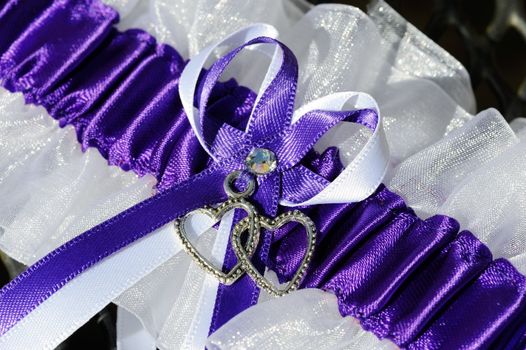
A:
{"points": [[476, 174], [339, 48], [305, 319], [51, 191], [444, 159]]}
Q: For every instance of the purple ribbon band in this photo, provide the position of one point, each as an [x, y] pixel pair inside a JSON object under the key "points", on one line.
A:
{"points": [[416, 282]]}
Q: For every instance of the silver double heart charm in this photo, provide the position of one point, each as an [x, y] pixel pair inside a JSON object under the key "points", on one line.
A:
{"points": [[250, 225]]}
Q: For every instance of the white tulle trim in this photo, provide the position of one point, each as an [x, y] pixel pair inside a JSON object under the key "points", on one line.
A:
{"points": [[51, 191], [476, 174], [445, 160], [305, 319]]}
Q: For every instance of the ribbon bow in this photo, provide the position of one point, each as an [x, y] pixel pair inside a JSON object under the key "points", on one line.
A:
{"points": [[274, 126]]}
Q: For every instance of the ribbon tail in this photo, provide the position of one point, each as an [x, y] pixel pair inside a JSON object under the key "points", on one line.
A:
{"points": [[244, 293], [30, 289]]}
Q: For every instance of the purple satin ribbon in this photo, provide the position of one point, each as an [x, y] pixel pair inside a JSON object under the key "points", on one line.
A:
{"points": [[418, 282]]}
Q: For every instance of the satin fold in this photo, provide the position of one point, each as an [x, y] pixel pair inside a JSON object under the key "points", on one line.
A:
{"points": [[67, 57]]}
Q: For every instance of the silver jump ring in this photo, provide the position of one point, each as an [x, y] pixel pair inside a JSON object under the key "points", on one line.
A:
{"points": [[231, 191]]}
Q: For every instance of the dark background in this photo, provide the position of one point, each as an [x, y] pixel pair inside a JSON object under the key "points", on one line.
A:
{"points": [[487, 36]]}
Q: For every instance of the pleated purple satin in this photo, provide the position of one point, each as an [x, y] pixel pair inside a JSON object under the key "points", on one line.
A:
{"points": [[418, 282], [118, 90]]}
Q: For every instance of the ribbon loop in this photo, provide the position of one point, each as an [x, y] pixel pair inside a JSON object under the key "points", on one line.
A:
{"points": [[302, 135], [273, 109], [289, 135], [192, 72], [364, 173]]}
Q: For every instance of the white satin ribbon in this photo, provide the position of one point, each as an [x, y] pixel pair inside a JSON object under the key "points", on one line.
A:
{"points": [[362, 176], [190, 74], [74, 304]]}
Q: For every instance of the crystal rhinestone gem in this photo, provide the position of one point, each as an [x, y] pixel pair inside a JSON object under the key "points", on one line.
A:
{"points": [[261, 161]]}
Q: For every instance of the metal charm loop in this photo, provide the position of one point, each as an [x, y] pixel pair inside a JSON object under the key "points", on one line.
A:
{"points": [[232, 192]]}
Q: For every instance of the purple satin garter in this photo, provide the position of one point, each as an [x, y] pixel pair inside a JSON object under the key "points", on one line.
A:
{"points": [[421, 283]]}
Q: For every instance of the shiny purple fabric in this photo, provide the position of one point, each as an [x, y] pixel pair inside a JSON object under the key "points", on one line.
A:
{"points": [[418, 282], [118, 90], [413, 281]]}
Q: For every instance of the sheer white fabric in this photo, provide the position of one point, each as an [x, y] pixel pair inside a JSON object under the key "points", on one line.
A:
{"points": [[131, 335], [51, 191], [445, 160], [305, 319]]}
